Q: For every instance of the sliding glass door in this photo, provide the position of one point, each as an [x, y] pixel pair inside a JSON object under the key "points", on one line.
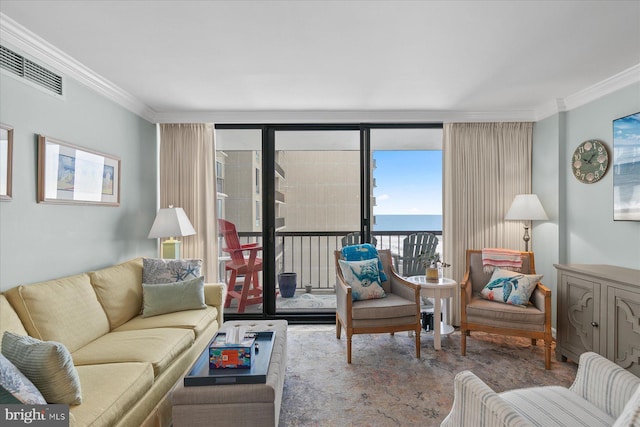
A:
{"points": [[317, 186], [300, 192]]}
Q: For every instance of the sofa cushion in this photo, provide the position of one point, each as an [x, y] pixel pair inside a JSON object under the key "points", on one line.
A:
{"points": [[9, 320], [119, 290], [162, 298], [156, 346], [65, 310], [47, 364], [109, 391], [16, 385], [556, 406], [197, 320]]}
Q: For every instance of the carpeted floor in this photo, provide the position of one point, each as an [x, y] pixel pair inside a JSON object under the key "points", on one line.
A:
{"points": [[387, 386]]}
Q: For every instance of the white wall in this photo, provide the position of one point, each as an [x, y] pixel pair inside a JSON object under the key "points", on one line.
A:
{"points": [[46, 241], [580, 229]]}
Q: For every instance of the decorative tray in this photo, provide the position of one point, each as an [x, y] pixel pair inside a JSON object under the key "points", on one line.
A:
{"points": [[201, 375]]}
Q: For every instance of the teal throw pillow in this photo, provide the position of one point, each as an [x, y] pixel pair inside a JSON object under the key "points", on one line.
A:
{"points": [[363, 277], [510, 287], [362, 252], [165, 298]]}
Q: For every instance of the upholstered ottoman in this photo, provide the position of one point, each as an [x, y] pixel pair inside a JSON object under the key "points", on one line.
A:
{"points": [[237, 405]]}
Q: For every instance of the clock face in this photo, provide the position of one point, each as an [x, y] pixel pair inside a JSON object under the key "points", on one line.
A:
{"points": [[590, 161]]}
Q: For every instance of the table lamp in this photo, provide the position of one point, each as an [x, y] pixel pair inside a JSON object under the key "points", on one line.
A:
{"points": [[526, 207], [171, 222]]}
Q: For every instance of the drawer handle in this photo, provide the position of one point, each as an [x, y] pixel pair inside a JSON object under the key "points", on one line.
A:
{"points": [[594, 324]]}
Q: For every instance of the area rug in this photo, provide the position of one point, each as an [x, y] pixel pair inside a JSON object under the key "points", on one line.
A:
{"points": [[385, 385]]}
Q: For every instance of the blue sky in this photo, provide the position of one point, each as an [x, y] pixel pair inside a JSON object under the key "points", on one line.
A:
{"points": [[408, 182]]}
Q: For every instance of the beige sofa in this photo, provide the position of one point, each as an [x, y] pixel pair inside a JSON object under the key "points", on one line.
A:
{"points": [[127, 364]]}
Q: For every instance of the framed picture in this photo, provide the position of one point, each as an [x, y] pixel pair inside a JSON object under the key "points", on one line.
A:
{"points": [[626, 168], [6, 161], [71, 174]]}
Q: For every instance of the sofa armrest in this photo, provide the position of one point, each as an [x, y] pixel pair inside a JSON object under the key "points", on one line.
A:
{"points": [[603, 383], [475, 403], [214, 295]]}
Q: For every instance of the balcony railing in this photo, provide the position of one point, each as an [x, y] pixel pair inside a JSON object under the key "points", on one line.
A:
{"points": [[310, 254]]}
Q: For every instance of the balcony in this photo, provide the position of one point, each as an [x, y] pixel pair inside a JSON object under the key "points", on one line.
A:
{"points": [[310, 255]]}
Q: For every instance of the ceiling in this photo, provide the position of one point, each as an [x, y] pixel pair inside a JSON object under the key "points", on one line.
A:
{"points": [[417, 60]]}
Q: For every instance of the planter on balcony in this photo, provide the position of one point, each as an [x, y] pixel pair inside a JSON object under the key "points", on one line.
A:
{"points": [[287, 284]]}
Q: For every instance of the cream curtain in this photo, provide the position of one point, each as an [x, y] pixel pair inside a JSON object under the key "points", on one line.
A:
{"points": [[187, 180], [485, 165]]}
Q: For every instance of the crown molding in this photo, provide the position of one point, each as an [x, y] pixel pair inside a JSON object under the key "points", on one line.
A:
{"points": [[38, 48], [338, 116], [618, 81]]}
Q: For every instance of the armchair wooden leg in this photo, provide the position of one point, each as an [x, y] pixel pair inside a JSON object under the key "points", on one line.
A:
{"points": [[418, 343], [547, 354], [348, 348], [463, 343], [338, 327]]}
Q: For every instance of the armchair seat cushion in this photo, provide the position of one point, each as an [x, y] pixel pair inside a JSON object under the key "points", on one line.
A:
{"points": [[491, 313], [390, 307], [556, 406]]}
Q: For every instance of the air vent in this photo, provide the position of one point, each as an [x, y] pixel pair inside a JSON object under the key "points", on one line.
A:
{"points": [[22, 67]]}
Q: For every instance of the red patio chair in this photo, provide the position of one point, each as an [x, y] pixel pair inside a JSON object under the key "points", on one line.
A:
{"points": [[240, 265]]}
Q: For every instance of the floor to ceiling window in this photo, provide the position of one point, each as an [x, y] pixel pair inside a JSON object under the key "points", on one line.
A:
{"points": [[297, 191]]}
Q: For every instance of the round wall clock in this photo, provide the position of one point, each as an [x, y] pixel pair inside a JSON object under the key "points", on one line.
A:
{"points": [[590, 161]]}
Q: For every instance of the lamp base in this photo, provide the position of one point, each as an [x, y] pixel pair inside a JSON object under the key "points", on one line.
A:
{"points": [[171, 248], [526, 238]]}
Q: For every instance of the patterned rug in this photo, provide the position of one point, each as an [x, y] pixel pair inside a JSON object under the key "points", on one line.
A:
{"points": [[385, 385]]}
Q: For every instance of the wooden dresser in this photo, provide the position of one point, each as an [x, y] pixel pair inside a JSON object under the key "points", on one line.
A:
{"points": [[599, 311]]}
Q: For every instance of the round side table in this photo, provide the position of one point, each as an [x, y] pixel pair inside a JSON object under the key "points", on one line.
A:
{"points": [[443, 288]]}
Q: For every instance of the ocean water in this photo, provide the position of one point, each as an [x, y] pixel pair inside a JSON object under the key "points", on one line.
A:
{"points": [[408, 223]]}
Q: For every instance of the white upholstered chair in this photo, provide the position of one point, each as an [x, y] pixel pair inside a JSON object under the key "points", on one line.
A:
{"points": [[603, 394]]}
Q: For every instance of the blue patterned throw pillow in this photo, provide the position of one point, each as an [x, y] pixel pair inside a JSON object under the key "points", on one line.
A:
{"points": [[510, 287], [364, 279], [362, 252], [15, 387]]}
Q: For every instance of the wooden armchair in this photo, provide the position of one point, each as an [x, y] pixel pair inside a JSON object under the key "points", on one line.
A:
{"points": [[398, 311], [478, 314]]}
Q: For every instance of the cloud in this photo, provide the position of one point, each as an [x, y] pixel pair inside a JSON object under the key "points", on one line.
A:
{"points": [[383, 197]]}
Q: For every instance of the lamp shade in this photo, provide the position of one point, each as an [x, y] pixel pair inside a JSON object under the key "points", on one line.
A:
{"points": [[171, 222], [526, 207]]}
